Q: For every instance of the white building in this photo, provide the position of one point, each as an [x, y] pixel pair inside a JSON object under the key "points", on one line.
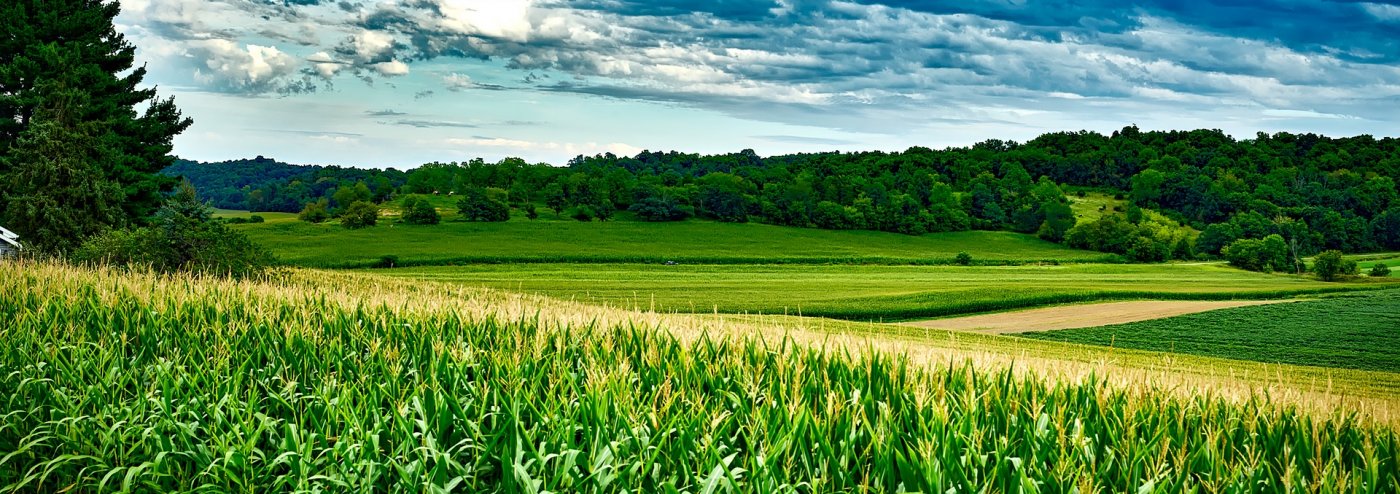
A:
{"points": [[9, 243]]}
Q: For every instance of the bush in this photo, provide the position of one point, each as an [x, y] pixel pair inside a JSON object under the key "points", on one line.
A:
{"points": [[477, 205], [419, 211], [360, 214], [581, 213], [236, 221], [1143, 249], [387, 261], [256, 219], [1331, 266], [1267, 255], [183, 237], [1380, 270], [963, 259], [315, 212], [531, 212]]}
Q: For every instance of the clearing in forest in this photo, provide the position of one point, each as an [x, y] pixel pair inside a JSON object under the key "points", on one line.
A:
{"points": [[1081, 316]]}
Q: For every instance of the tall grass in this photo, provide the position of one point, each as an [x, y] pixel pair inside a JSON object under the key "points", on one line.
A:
{"points": [[166, 385]]}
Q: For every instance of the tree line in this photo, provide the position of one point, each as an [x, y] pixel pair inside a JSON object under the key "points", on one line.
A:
{"points": [[1188, 193]]}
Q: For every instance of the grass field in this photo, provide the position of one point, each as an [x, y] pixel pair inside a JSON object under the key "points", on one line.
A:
{"points": [[871, 292], [521, 240], [1356, 331], [345, 382], [1094, 205]]}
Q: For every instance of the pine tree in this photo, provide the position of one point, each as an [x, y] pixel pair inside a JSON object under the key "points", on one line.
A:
{"points": [[58, 195], [53, 48]]}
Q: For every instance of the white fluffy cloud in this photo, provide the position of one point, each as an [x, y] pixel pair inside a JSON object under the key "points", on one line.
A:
{"points": [[247, 68]]}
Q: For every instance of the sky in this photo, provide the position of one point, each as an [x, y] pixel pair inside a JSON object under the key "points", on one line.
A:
{"points": [[400, 83]]}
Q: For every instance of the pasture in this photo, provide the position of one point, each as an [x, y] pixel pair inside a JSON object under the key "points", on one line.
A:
{"points": [[350, 382], [328, 245], [871, 292], [1354, 331]]}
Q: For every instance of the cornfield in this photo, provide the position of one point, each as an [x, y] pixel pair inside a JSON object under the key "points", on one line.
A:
{"points": [[129, 382]]}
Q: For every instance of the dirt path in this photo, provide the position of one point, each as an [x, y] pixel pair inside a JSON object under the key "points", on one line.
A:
{"points": [[1081, 316]]}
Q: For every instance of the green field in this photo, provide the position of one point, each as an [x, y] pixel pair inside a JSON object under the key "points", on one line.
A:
{"points": [[1355, 331], [328, 383], [1093, 205], [521, 240], [870, 292]]}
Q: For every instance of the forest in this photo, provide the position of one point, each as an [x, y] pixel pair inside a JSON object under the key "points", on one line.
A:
{"points": [[1189, 193]]}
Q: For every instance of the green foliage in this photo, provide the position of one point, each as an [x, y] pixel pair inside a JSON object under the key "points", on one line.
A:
{"points": [[1331, 265], [659, 209], [314, 393], [358, 215], [65, 67], [52, 178], [347, 195], [183, 237], [1349, 332], [580, 213], [530, 211], [419, 211], [1268, 255], [1059, 218], [256, 219], [963, 259], [1379, 270], [477, 205], [315, 212]]}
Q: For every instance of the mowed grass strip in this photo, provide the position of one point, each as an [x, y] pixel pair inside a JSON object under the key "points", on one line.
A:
{"points": [[130, 382], [868, 293], [1356, 331], [329, 245]]}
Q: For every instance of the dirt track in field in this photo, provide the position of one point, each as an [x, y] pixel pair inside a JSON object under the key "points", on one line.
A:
{"points": [[1081, 316]]}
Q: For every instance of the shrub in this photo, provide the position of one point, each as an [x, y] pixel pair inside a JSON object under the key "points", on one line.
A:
{"points": [[1380, 270], [315, 212], [1331, 265], [387, 261], [183, 237], [1267, 255], [581, 213], [963, 259], [1143, 249], [256, 219], [236, 221], [360, 214], [477, 205], [531, 212], [419, 211]]}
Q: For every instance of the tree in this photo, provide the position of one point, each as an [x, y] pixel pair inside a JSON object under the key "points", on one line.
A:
{"points": [[1268, 254], [659, 209], [419, 211], [555, 198], [359, 215], [183, 236], [1380, 270], [1059, 218], [53, 48], [1331, 265], [350, 194], [531, 212], [56, 194], [963, 259], [317, 211], [476, 205]]}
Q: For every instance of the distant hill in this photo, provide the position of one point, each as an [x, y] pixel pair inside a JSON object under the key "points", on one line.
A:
{"points": [[259, 183]]}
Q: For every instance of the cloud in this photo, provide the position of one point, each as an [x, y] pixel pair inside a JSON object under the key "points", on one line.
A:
{"points": [[384, 113], [806, 140], [242, 69], [392, 68], [424, 124], [457, 82], [525, 145]]}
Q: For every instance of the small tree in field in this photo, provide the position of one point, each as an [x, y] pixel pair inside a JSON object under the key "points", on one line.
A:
{"points": [[360, 215], [963, 259], [530, 211], [1380, 270], [315, 212], [476, 205], [1330, 265], [420, 211]]}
